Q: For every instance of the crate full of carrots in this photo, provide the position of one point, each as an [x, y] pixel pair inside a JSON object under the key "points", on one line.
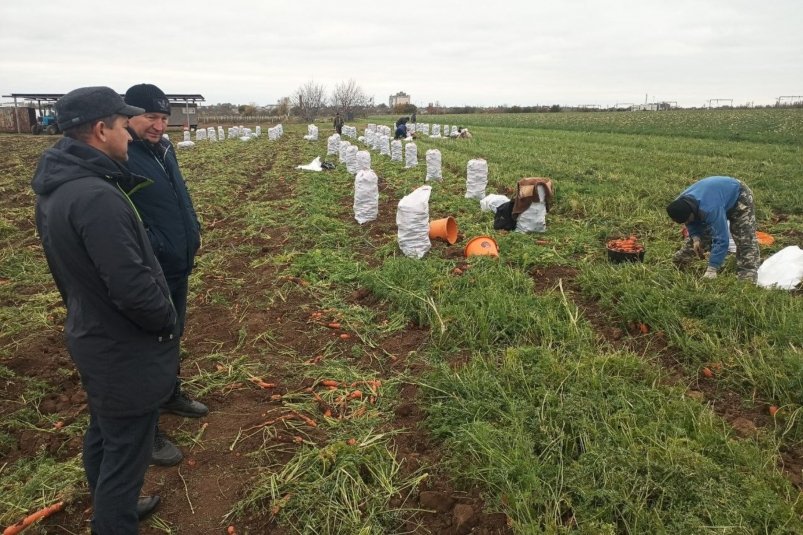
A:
{"points": [[625, 250]]}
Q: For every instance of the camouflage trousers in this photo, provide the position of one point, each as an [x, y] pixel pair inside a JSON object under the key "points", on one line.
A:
{"points": [[742, 218]]}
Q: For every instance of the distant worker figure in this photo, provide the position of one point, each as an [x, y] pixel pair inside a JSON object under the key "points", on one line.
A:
{"points": [[412, 117], [706, 207], [463, 133], [401, 131], [338, 123]]}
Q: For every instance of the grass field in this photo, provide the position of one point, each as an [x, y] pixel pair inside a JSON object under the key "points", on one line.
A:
{"points": [[518, 395]]}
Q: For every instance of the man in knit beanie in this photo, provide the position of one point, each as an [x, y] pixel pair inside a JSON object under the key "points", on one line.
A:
{"points": [[172, 226]]}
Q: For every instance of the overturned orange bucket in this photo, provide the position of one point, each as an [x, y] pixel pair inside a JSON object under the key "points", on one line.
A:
{"points": [[481, 246], [444, 229], [764, 238]]}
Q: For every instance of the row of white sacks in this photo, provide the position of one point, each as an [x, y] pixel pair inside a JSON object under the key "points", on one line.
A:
{"points": [[413, 222], [312, 132], [234, 132]]}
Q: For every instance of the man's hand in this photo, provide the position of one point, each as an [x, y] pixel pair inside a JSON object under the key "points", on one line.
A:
{"points": [[710, 273], [697, 246]]}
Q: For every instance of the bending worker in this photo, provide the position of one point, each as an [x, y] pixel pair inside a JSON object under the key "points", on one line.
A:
{"points": [[707, 207]]}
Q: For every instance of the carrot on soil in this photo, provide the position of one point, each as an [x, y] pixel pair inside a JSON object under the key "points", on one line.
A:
{"points": [[32, 518], [329, 382]]}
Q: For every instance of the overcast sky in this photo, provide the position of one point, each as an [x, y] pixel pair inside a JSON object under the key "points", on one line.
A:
{"points": [[457, 52]]}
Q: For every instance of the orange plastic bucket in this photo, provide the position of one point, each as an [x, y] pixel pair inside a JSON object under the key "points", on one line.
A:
{"points": [[481, 246], [764, 238], [444, 229]]}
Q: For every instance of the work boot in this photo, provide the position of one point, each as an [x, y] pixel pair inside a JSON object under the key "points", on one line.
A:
{"points": [[164, 453], [146, 505], [181, 405]]}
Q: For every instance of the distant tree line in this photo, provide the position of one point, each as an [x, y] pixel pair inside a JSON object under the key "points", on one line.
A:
{"points": [[312, 100]]}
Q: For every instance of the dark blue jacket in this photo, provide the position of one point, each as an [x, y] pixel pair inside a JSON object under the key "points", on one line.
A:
{"points": [[121, 326], [714, 197], [165, 206]]}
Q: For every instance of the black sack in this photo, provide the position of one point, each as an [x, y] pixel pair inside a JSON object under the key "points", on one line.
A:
{"points": [[504, 219]]}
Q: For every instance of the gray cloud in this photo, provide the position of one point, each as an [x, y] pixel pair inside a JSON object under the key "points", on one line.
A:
{"points": [[453, 51]]}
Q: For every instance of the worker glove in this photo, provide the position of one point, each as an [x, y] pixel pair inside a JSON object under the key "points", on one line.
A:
{"points": [[710, 273], [697, 246]]}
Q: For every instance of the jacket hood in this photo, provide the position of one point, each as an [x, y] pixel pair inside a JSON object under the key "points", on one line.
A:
{"points": [[70, 159]]}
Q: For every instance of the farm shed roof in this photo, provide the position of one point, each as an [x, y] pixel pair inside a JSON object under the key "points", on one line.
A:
{"points": [[172, 97]]}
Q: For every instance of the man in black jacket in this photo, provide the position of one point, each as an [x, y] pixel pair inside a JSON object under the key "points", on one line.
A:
{"points": [[121, 328], [172, 225]]}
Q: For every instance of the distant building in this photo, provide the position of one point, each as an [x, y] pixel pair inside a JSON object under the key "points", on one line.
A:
{"points": [[399, 99]]}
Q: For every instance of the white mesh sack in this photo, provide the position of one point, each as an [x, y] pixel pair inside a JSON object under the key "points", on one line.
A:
{"points": [[211, 133], [384, 147], [410, 155], [476, 179], [332, 144], [312, 133], [280, 129], [370, 128], [533, 219], [185, 144], [369, 138], [782, 270], [231, 132], [221, 134], [412, 221], [434, 165], [411, 128], [351, 159], [396, 150], [258, 130], [492, 202], [200, 134], [363, 159], [341, 151], [445, 130], [436, 130], [425, 130], [366, 196]]}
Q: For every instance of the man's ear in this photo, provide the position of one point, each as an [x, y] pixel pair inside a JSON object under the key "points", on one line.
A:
{"points": [[99, 130]]}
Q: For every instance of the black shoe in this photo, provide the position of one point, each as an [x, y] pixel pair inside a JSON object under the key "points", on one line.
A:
{"points": [[146, 505], [183, 406], [165, 453]]}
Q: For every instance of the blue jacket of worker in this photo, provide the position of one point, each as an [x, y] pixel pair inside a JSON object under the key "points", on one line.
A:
{"points": [[165, 206], [715, 196]]}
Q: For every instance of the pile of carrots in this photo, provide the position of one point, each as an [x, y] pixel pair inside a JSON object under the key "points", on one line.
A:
{"points": [[626, 245]]}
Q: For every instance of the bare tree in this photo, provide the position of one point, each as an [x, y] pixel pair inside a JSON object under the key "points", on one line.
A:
{"points": [[309, 99], [348, 97], [283, 107]]}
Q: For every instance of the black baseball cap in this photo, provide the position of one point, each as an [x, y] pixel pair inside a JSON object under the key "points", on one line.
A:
{"points": [[149, 97], [86, 104]]}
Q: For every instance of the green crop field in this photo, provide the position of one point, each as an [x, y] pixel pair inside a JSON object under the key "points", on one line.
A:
{"points": [[546, 391]]}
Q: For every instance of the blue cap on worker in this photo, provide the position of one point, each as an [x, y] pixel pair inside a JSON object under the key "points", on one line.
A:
{"points": [[149, 97], [86, 104]]}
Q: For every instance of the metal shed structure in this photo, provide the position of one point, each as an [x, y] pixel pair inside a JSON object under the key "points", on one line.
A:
{"points": [[29, 106]]}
